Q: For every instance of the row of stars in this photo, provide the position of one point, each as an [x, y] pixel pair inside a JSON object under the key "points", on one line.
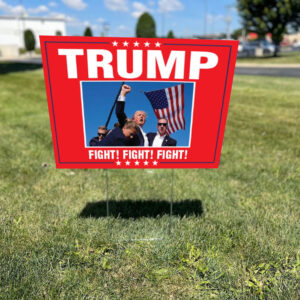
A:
{"points": [[135, 44], [137, 163]]}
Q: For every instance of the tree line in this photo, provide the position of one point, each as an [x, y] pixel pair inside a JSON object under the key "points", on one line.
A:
{"points": [[275, 17], [145, 28]]}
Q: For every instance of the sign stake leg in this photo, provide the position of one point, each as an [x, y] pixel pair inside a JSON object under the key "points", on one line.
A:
{"points": [[171, 202], [107, 202]]}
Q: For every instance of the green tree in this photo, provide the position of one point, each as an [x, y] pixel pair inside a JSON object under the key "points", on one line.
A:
{"points": [[145, 26], [58, 32], [270, 16], [237, 33], [170, 35], [29, 40], [88, 32]]}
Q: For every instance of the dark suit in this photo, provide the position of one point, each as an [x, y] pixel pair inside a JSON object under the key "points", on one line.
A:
{"points": [[138, 140], [94, 141], [168, 141], [115, 138]]}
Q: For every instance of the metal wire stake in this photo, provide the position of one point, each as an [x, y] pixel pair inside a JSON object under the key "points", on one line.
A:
{"points": [[107, 203], [171, 202]]}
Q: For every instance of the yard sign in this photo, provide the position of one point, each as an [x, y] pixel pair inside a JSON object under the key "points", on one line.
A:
{"points": [[188, 82]]}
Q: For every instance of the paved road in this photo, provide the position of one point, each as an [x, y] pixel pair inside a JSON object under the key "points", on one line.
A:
{"points": [[268, 71], [30, 60], [262, 70]]}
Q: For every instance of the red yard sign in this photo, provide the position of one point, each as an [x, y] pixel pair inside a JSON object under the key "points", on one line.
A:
{"points": [[137, 102]]}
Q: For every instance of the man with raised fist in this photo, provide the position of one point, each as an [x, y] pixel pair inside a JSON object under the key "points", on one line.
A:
{"points": [[139, 117]]}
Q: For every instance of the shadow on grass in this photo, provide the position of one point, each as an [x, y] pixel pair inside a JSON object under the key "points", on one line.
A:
{"points": [[6, 68], [136, 209]]}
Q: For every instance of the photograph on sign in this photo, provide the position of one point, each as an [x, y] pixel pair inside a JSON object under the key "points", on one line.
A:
{"points": [[137, 103], [166, 107]]}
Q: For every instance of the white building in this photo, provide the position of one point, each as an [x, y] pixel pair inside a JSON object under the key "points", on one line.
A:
{"points": [[12, 32]]}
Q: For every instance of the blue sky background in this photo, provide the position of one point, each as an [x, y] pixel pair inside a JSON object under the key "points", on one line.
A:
{"points": [[185, 18], [98, 98]]}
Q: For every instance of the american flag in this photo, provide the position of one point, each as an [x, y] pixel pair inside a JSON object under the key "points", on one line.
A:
{"points": [[169, 104]]}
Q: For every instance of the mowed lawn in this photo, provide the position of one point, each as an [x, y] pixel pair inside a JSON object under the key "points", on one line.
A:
{"points": [[235, 229]]}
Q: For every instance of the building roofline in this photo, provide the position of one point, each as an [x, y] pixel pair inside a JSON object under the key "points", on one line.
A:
{"points": [[32, 18]]}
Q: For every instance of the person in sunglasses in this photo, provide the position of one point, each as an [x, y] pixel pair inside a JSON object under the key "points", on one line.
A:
{"points": [[161, 138], [102, 132]]}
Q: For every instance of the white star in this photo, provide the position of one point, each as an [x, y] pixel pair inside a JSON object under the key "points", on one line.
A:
{"points": [[125, 43], [127, 163], [118, 163], [157, 44], [136, 44], [137, 163], [146, 163], [147, 44], [155, 163], [115, 43]]}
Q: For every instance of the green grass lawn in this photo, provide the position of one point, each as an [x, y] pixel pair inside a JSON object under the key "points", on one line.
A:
{"points": [[235, 230], [288, 58]]}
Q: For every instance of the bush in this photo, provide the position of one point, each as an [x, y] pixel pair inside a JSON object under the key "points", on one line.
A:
{"points": [[88, 32], [22, 50], [170, 35], [145, 26], [29, 40]]}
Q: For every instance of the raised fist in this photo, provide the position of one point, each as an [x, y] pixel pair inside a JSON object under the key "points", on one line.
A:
{"points": [[125, 90]]}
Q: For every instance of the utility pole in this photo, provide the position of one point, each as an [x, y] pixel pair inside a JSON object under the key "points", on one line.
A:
{"points": [[228, 21], [163, 15], [244, 34], [205, 17], [21, 23], [105, 28]]}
